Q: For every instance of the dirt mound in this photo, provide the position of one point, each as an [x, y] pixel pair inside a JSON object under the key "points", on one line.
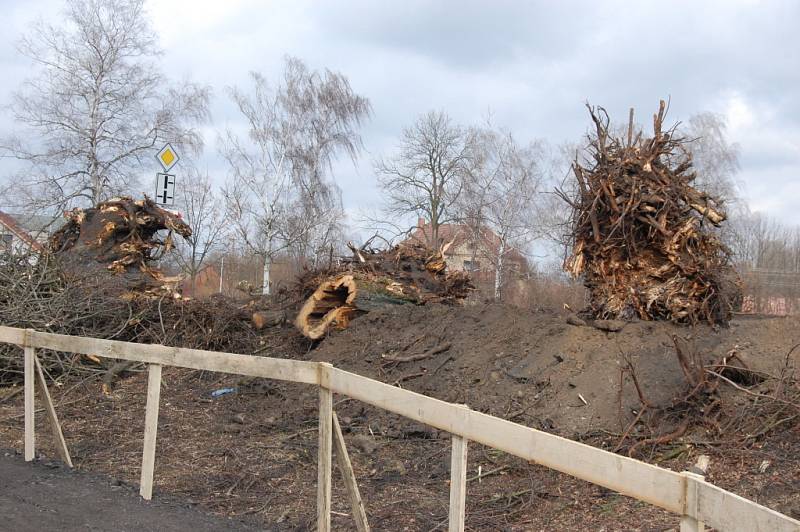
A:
{"points": [[535, 368]]}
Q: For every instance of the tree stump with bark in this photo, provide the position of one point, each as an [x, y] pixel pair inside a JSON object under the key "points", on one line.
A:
{"points": [[405, 274]]}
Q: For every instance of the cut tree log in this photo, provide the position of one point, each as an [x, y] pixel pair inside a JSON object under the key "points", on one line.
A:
{"points": [[405, 274], [338, 301], [268, 318]]}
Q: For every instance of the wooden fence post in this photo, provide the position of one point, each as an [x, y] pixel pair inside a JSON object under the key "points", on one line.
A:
{"points": [[349, 478], [458, 483], [30, 445], [689, 523], [150, 431], [50, 410], [325, 450]]}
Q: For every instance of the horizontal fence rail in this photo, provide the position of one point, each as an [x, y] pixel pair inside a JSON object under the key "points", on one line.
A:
{"points": [[684, 494]]}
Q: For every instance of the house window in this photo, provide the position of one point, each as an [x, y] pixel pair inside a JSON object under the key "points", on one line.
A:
{"points": [[6, 240], [472, 266]]}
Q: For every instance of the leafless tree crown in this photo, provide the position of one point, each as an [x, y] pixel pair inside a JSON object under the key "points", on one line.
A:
{"points": [[97, 108], [279, 193], [500, 201], [715, 159], [426, 177], [205, 216]]}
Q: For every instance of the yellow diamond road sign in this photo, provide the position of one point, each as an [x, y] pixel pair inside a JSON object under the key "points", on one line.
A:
{"points": [[167, 157]]}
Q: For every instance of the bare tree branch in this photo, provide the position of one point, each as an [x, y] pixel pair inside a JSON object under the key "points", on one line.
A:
{"points": [[97, 108]]}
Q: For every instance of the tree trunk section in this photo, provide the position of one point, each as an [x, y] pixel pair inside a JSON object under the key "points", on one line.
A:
{"points": [[339, 300]]}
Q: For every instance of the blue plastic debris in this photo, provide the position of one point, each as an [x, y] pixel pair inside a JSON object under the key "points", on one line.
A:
{"points": [[222, 391]]}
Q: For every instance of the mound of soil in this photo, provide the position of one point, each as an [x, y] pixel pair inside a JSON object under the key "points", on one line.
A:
{"points": [[536, 369]]}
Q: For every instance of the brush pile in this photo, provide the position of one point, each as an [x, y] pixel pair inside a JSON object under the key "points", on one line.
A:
{"points": [[643, 236], [405, 274], [97, 279], [36, 293]]}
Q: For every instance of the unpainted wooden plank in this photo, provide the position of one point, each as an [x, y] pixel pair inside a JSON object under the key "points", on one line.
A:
{"points": [[688, 521], [324, 459], [50, 410], [689, 524], [150, 431], [624, 475], [255, 366], [12, 335], [30, 438], [723, 510], [349, 478], [458, 484]]}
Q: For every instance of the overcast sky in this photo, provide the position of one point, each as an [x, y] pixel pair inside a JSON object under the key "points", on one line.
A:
{"points": [[532, 64]]}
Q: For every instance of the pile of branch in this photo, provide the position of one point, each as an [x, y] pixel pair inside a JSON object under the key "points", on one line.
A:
{"points": [[96, 279], [119, 236], [408, 273], [726, 402], [643, 236], [35, 293]]}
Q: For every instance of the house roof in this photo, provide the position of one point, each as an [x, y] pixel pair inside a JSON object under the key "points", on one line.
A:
{"points": [[460, 234], [10, 222]]}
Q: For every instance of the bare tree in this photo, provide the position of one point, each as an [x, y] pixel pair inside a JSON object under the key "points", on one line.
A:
{"points": [[715, 160], [280, 170], [98, 107], [321, 202], [205, 216], [499, 201], [427, 175]]}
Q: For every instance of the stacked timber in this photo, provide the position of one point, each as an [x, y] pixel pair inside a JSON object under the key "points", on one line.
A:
{"points": [[644, 239]]}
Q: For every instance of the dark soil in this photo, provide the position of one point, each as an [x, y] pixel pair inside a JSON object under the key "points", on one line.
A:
{"points": [[533, 368], [253, 453], [46, 496]]}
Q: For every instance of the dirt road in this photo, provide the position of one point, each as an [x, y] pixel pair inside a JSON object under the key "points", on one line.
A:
{"points": [[44, 496]]}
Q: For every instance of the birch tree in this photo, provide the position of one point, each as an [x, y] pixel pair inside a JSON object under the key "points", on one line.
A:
{"points": [[280, 162], [500, 200], [426, 177], [97, 108], [321, 202], [715, 159]]}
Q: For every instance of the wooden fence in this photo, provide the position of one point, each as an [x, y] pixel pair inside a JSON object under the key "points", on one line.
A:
{"points": [[686, 494]]}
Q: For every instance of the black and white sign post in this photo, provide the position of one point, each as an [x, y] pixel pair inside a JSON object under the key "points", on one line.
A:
{"points": [[165, 189], [165, 182]]}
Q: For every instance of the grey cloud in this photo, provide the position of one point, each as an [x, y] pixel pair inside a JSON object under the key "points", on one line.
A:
{"points": [[533, 64]]}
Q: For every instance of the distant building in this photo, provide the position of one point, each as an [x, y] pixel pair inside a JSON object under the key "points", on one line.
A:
{"points": [[20, 233], [468, 252], [206, 283]]}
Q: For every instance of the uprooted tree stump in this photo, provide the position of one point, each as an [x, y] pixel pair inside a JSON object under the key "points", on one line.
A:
{"points": [[405, 274], [643, 236], [119, 237]]}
